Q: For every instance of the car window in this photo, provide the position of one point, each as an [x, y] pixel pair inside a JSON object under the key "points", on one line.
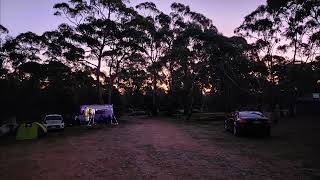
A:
{"points": [[251, 115], [50, 118]]}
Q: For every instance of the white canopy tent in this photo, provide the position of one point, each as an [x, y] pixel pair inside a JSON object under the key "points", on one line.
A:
{"points": [[106, 111]]}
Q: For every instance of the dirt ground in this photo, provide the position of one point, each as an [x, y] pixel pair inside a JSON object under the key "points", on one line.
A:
{"points": [[142, 148]]}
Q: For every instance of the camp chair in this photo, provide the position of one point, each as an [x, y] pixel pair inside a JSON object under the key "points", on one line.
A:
{"points": [[114, 120]]}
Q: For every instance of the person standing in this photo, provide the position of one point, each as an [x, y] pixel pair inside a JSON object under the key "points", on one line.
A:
{"points": [[92, 115], [87, 114]]}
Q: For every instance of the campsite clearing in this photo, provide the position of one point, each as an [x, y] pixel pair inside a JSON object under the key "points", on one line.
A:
{"points": [[143, 148]]}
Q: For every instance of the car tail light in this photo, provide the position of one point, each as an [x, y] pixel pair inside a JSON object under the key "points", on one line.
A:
{"points": [[242, 121]]}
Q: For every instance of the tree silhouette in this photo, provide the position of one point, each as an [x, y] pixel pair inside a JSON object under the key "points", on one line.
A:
{"points": [[156, 28], [143, 58], [95, 27]]}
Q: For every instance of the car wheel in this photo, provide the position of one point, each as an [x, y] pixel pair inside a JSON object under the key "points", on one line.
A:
{"points": [[226, 126]]}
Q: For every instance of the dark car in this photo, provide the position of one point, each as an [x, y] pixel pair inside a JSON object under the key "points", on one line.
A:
{"points": [[248, 121], [138, 112]]}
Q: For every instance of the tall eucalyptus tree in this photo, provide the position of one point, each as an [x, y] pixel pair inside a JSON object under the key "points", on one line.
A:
{"points": [[94, 24], [156, 27]]}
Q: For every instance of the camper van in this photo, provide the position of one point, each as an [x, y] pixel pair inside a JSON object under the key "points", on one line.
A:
{"points": [[102, 113]]}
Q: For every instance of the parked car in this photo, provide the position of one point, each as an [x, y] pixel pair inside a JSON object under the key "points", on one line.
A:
{"points": [[248, 121], [54, 121], [138, 112]]}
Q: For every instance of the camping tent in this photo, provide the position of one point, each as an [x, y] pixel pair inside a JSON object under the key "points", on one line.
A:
{"points": [[30, 131]]}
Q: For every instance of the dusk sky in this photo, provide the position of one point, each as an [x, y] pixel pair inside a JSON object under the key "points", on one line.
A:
{"points": [[37, 15]]}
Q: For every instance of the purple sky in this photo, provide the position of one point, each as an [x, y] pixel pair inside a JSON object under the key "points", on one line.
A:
{"points": [[37, 15]]}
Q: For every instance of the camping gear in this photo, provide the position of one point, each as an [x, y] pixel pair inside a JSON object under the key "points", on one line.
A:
{"points": [[97, 113], [8, 128], [28, 131]]}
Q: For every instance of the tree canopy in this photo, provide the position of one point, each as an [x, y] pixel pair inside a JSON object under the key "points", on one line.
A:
{"points": [[141, 57]]}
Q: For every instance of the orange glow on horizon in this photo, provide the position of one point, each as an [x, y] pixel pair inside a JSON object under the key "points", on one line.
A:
{"points": [[207, 90]]}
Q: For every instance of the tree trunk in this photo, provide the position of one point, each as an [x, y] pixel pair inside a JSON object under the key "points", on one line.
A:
{"points": [[295, 50], [154, 95], [272, 81], [110, 91], [100, 98], [110, 84], [172, 107], [191, 96], [171, 78]]}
